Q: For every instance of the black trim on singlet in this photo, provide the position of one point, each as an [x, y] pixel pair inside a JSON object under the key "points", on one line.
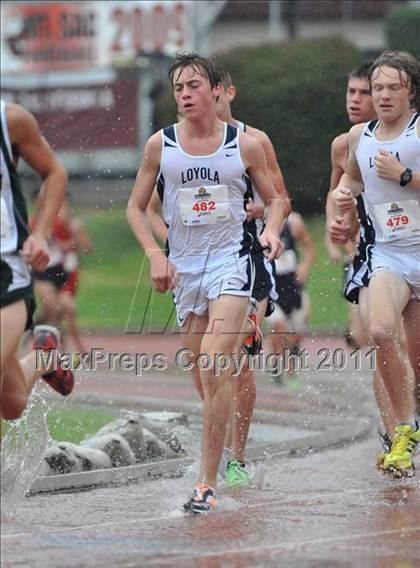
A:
{"points": [[169, 132], [413, 121], [250, 227], [247, 243], [249, 193], [250, 242], [370, 127], [5, 150], [248, 284], [160, 186], [365, 221], [361, 261], [231, 134], [19, 203], [369, 257], [288, 239]]}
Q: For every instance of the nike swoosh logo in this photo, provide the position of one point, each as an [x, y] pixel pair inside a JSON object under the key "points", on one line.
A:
{"points": [[229, 155]]}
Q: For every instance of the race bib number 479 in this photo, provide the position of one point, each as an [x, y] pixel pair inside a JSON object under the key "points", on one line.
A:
{"points": [[399, 220], [204, 205]]}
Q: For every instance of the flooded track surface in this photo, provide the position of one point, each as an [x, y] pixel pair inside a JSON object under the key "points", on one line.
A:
{"points": [[326, 509]]}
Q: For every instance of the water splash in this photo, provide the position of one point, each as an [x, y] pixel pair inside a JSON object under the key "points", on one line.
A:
{"points": [[22, 454]]}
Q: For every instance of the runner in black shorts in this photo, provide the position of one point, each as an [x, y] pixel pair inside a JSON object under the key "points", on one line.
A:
{"points": [[22, 250]]}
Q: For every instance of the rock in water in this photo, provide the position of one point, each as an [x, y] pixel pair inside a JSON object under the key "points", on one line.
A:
{"points": [[114, 445], [155, 447], [65, 457], [131, 429], [171, 427]]}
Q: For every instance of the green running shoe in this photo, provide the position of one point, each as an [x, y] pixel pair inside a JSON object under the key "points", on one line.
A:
{"points": [[236, 474]]}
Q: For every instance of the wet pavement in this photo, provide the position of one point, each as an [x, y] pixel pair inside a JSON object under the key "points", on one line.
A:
{"points": [[321, 509], [326, 509]]}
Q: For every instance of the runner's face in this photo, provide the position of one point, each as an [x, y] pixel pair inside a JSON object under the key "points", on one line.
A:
{"points": [[359, 104], [391, 97], [193, 94]]}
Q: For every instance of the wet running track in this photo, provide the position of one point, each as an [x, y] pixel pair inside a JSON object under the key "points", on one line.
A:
{"points": [[325, 509]]}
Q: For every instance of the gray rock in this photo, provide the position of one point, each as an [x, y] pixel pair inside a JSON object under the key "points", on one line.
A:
{"points": [[155, 447], [114, 445], [65, 457], [170, 427], [130, 428]]}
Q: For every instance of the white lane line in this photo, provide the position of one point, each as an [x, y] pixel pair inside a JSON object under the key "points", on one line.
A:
{"points": [[278, 547], [179, 515], [288, 545]]}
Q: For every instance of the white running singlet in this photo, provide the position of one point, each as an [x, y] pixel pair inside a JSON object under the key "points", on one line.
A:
{"points": [[203, 201], [394, 210], [16, 273]]}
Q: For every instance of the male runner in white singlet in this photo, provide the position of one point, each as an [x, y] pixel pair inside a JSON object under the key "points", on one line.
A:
{"points": [[199, 166], [359, 109], [384, 161], [21, 251], [244, 386]]}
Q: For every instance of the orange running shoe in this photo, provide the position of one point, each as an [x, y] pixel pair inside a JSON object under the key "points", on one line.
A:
{"points": [[202, 501]]}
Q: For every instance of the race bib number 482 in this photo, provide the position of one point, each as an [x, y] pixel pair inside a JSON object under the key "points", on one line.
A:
{"points": [[204, 205], [399, 220]]}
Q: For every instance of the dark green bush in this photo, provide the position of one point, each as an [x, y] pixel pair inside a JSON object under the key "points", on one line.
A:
{"points": [[295, 92], [402, 29]]}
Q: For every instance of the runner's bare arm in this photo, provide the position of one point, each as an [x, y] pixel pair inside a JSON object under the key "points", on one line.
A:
{"points": [[154, 214], [351, 181], [339, 229], [26, 138], [338, 156], [388, 167], [339, 148], [141, 194], [343, 232], [273, 167], [27, 143], [415, 181], [255, 165], [162, 272]]}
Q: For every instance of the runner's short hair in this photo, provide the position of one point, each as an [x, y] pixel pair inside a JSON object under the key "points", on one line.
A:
{"points": [[226, 79], [361, 71], [205, 66], [408, 68]]}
